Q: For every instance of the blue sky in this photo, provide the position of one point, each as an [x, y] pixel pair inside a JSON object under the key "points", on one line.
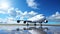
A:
{"points": [[46, 7], [30, 8], [24, 9]]}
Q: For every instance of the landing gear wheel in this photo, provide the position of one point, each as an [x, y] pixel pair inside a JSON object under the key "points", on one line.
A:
{"points": [[40, 24], [35, 24], [27, 24]]}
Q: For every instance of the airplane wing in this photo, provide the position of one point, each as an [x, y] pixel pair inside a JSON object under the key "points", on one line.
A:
{"points": [[37, 18], [39, 21]]}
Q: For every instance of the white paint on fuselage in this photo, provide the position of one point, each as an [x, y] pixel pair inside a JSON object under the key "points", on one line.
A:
{"points": [[38, 18]]}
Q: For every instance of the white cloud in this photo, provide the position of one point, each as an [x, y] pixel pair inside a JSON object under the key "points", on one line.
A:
{"points": [[54, 17], [12, 12], [8, 20], [32, 3], [11, 20], [2, 12], [32, 13], [8, 11], [16, 13], [25, 14], [2, 21]]}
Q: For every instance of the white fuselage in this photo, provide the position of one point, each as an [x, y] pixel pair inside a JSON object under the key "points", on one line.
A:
{"points": [[37, 18]]}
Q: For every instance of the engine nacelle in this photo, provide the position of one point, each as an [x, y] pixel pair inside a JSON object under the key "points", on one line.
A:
{"points": [[46, 21], [18, 21], [24, 22]]}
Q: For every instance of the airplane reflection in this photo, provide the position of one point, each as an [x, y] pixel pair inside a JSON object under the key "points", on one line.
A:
{"points": [[34, 30], [39, 30]]}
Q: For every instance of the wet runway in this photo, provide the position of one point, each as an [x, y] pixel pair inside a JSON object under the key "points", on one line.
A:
{"points": [[14, 30]]}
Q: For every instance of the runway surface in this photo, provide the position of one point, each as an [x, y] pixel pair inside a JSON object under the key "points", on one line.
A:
{"points": [[29, 24]]}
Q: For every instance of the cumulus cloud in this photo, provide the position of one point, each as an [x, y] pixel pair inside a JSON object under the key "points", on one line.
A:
{"points": [[6, 11], [32, 13], [32, 4], [2, 12], [14, 13], [1, 20], [25, 14], [8, 20], [11, 20], [54, 17]]}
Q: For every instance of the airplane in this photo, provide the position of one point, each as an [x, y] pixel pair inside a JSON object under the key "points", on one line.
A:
{"points": [[36, 19]]}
